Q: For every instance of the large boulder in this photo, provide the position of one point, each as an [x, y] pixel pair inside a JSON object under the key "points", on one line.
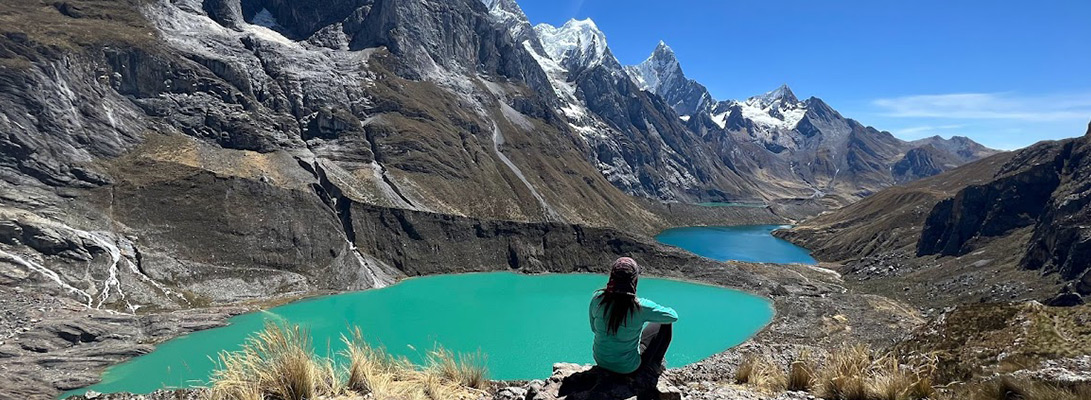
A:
{"points": [[580, 382]]}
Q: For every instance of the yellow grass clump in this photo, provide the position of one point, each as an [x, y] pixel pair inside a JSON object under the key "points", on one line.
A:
{"points": [[279, 364], [761, 372], [801, 373], [851, 373], [1009, 388], [844, 374]]}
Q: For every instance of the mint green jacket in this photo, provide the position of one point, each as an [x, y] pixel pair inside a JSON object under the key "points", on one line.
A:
{"points": [[620, 352]]}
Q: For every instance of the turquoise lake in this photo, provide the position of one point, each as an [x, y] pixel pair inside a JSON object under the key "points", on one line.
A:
{"points": [[523, 323], [752, 243]]}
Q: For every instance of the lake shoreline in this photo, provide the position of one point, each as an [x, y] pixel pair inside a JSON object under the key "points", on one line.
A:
{"points": [[794, 295], [801, 297]]}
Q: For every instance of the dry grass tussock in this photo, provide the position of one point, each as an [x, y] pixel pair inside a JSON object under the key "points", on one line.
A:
{"points": [[1009, 388], [801, 373], [279, 364], [851, 373], [761, 372]]}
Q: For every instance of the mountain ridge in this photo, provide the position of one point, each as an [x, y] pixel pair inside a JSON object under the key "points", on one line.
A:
{"points": [[960, 226], [777, 128]]}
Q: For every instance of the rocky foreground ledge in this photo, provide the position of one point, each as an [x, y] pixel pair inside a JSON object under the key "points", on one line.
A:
{"points": [[584, 382], [568, 382]]}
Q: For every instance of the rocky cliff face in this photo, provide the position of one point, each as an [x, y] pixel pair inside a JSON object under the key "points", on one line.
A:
{"points": [[1010, 226], [1044, 187]]}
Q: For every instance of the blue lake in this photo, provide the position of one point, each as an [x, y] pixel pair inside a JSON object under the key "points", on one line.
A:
{"points": [[752, 243]]}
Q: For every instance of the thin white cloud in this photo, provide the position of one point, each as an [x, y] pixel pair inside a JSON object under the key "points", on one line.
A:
{"points": [[997, 106], [918, 130]]}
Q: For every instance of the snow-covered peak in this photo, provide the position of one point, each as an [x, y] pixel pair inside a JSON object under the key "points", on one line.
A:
{"points": [[505, 10], [580, 39], [778, 109], [662, 74], [781, 93], [657, 70], [663, 50]]}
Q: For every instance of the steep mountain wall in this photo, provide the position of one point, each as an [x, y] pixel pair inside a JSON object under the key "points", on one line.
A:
{"points": [[1010, 226]]}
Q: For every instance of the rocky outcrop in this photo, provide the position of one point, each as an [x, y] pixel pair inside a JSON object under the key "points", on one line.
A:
{"points": [[1062, 238], [921, 162], [952, 236], [1044, 187], [1010, 202], [50, 344]]}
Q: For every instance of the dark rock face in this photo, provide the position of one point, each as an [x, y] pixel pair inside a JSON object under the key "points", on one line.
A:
{"points": [[421, 243], [1062, 237], [1065, 300], [921, 162], [995, 209], [653, 140], [59, 113], [1045, 187], [576, 382]]}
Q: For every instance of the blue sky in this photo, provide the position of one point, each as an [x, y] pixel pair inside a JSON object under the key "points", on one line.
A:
{"points": [[1005, 73]]}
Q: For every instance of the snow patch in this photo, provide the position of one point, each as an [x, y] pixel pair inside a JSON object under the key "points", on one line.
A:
{"points": [[720, 119]]}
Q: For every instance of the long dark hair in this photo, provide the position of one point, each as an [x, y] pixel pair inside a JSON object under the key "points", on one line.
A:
{"points": [[618, 300], [617, 308]]}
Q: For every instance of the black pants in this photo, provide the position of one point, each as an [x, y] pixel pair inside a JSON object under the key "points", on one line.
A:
{"points": [[654, 341]]}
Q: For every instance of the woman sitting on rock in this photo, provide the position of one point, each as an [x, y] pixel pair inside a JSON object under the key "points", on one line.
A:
{"points": [[622, 343]]}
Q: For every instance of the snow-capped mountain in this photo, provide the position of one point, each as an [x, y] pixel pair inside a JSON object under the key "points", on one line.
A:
{"points": [[577, 44], [510, 17], [657, 133], [778, 109], [636, 140], [787, 147], [662, 74]]}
